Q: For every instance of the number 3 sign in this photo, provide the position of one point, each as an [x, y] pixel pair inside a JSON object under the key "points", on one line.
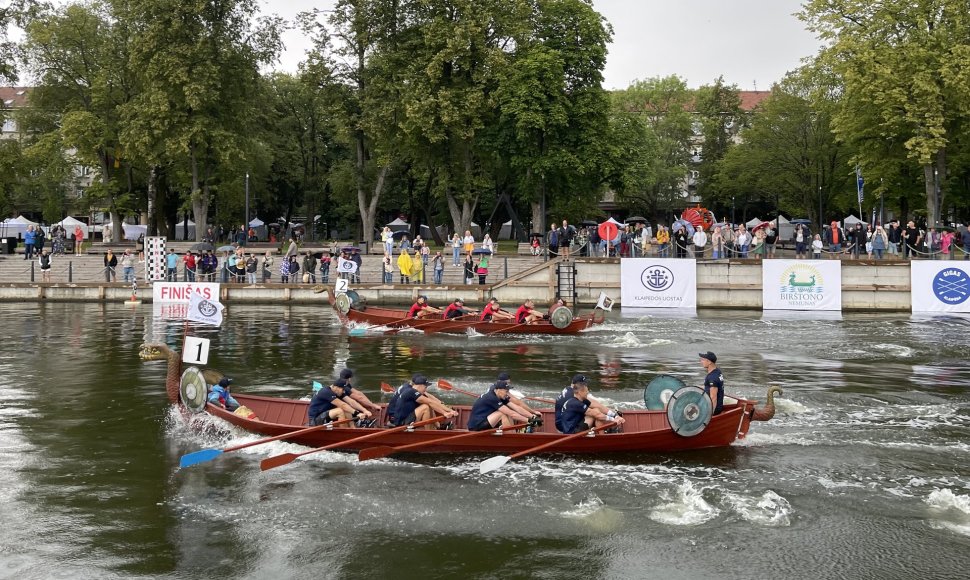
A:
{"points": [[195, 350]]}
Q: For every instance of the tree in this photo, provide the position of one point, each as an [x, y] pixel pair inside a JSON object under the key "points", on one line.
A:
{"points": [[718, 108], [904, 66]]}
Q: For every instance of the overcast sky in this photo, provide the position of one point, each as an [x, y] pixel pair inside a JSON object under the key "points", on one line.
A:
{"points": [[752, 43]]}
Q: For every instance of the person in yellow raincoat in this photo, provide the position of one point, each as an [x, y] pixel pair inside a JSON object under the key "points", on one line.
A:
{"points": [[405, 265], [417, 268]]}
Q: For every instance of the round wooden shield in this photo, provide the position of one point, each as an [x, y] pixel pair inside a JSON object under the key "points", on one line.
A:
{"points": [[342, 303], [561, 317], [689, 411], [193, 390], [659, 391]]}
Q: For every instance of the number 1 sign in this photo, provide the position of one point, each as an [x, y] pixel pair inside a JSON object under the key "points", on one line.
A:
{"points": [[195, 350]]}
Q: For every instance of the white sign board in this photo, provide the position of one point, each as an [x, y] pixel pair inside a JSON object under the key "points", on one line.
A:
{"points": [[658, 283], [341, 286], [940, 286], [801, 284], [155, 258], [180, 292], [195, 350]]}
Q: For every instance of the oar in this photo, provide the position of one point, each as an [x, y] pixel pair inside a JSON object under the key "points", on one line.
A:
{"points": [[443, 384], [499, 460], [505, 329], [279, 460], [387, 388], [415, 326], [384, 450], [204, 455], [471, 322]]}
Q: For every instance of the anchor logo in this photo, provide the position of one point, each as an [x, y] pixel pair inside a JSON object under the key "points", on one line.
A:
{"points": [[657, 278], [951, 286]]}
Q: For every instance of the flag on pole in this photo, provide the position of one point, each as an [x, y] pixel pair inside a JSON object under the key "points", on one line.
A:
{"points": [[859, 182], [346, 266], [604, 302], [204, 310]]}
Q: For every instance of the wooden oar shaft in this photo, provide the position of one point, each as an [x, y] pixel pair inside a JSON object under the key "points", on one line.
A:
{"points": [[584, 433], [443, 384], [363, 456], [286, 435], [505, 329]]}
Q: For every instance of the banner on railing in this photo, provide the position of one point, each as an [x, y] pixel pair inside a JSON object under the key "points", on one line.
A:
{"points": [[181, 292], [801, 284], [940, 286], [658, 283]]}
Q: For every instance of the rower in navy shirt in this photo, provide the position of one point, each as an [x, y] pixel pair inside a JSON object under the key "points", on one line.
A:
{"points": [[327, 406], [714, 381], [495, 408], [517, 403], [412, 403], [577, 412], [363, 402]]}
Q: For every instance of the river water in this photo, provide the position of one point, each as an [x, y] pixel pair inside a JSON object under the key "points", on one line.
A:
{"points": [[862, 474]]}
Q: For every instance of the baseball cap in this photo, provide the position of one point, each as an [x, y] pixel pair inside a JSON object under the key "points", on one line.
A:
{"points": [[504, 376], [708, 355], [459, 301], [419, 379], [224, 382], [579, 379], [500, 385], [346, 374], [340, 383]]}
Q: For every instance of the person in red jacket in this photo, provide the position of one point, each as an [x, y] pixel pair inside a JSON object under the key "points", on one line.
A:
{"points": [[493, 311], [526, 313]]}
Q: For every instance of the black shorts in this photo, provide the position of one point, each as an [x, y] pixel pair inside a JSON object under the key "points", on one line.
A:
{"points": [[407, 421], [482, 425], [321, 419], [579, 428]]}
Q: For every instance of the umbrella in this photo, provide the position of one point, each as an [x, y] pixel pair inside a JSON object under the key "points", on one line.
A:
{"points": [[202, 247], [481, 251], [225, 248], [801, 221], [635, 220], [536, 235], [349, 249], [589, 223], [680, 224], [761, 226], [400, 234]]}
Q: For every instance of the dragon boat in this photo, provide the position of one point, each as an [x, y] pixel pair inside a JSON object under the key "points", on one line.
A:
{"points": [[351, 310], [678, 418]]}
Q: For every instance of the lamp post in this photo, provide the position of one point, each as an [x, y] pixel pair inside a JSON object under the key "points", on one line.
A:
{"points": [[732, 211], [820, 209], [246, 221]]}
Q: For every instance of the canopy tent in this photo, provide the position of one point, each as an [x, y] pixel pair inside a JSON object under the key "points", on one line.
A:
{"points": [[256, 222], [20, 219], [425, 232], [132, 231], [180, 230], [259, 226], [851, 221], [11, 228], [69, 223], [752, 223], [612, 220], [399, 225], [505, 232]]}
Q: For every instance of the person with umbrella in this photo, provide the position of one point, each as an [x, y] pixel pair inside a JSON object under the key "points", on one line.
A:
{"points": [[482, 268]]}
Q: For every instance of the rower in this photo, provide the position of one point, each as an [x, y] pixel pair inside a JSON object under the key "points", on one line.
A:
{"points": [[456, 309], [421, 309], [559, 303], [495, 408], [504, 378], [577, 412], [327, 406], [493, 311], [526, 313], [714, 381], [220, 395], [412, 403], [357, 395]]}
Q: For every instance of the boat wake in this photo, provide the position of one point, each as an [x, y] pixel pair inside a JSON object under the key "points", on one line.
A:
{"points": [[685, 506], [768, 510], [950, 511]]}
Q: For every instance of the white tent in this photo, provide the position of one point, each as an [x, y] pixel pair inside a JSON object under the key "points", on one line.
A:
{"points": [[612, 220], [69, 223], [752, 223], [399, 225], [426, 232], [11, 228], [851, 221], [262, 233], [506, 232], [132, 231], [20, 219], [256, 222], [180, 230]]}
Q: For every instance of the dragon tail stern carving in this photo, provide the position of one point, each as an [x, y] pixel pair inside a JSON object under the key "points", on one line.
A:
{"points": [[155, 351], [766, 412]]}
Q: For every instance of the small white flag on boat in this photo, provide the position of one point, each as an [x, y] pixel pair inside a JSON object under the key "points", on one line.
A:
{"points": [[604, 302], [204, 310], [346, 266]]}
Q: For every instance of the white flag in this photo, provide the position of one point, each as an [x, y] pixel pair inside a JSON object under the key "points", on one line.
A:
{"points": [[604, 302], [204, 310], [346, 266]]}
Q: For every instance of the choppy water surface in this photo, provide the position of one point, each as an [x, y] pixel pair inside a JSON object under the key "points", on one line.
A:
{"points": [[862, 474]]}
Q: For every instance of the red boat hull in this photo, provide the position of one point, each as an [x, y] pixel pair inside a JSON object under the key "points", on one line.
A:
{"points": [[644, 431], [377, 316]]}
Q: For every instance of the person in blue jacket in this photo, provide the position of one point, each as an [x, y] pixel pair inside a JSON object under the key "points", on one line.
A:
{"points": [[219, 395]]}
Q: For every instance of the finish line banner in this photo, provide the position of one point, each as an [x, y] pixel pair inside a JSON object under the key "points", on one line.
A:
{"points": [[181, 292], [658, 283], [940, 286], [801, 284]]}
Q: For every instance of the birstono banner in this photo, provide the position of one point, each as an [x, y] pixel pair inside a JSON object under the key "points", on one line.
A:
{"points": [[940, 285], [801, 284], [658, 283]]}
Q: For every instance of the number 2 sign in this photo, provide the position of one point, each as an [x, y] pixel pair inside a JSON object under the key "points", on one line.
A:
{"points": [[195, 350]]}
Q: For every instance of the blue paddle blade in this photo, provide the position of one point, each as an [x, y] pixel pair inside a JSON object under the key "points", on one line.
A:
{"points": [[199, 457], [316, 386], [357, 332]]}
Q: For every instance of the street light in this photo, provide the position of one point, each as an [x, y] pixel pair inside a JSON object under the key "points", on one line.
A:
{"points": [[732, 211], [820, 209], [246, 221]]}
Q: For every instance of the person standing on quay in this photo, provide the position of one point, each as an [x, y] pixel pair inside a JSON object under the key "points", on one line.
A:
{"points": [[45, 266]]}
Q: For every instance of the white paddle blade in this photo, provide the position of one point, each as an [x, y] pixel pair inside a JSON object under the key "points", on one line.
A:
{"points": [[494, 463]]}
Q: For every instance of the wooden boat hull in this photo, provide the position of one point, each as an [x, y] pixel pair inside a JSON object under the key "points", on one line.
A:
{"points": [[378, 316], [644, 431]]}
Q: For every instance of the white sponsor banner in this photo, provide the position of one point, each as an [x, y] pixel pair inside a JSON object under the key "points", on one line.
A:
{"points": [[204, 310], [181, 292], [658, 283], [940, 286], [801, 284]]}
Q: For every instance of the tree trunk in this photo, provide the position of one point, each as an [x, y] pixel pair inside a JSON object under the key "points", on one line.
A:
{"points": [[368, 209], [537, 222], [152, 195], [930, 186]]}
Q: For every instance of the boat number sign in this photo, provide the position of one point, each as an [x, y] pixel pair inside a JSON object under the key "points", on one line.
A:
{"points": [[196, 350], [342, 286]]}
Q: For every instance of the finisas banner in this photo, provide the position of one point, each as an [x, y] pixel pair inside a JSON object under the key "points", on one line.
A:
{"points": [[802, 284], [658, 283], [940, 286]]}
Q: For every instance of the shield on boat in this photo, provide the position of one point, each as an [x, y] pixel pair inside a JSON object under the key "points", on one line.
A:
{"points": [[659, 391], [561, 317], [689, 411], [342, 303], [193, 390]]}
